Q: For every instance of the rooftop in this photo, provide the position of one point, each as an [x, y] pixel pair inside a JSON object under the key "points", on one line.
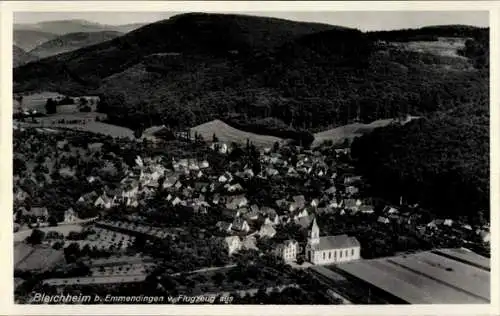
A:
{"points": [[337, 242]]}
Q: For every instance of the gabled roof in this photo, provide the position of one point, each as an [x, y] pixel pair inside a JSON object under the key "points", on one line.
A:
{"points": [[336, 242]]}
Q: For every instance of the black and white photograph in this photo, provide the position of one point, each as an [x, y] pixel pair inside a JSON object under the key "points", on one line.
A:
{"points": [[253, 157]]}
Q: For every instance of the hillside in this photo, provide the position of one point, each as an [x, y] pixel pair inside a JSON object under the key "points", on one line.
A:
{"points": [[228, 134], [441, 162], [21, 57], [72, 41], [206, 34], [29, 39], [193, 68], [62, 27]]}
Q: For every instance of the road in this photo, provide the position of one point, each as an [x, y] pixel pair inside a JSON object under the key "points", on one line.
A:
{"points": [[206, 269]]}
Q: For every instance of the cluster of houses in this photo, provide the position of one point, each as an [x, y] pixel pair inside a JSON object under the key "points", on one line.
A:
{"points": [[192, 183]]}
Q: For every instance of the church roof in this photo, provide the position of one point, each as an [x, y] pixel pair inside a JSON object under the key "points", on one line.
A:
{"points": [[336, 242]]}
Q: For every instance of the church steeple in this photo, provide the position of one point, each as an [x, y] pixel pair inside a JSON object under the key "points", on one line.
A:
{"points": [[313, 234]]}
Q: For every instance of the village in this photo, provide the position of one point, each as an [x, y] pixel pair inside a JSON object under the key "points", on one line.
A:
{"points": [[116, 211]]}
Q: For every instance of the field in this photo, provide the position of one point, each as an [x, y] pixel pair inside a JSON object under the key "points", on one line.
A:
{"points": [[423, 278], [63, 229], [446, 47], [90, 124], [38, 258], [350, 131], [95, 280], [228, 134], [36, 101]]}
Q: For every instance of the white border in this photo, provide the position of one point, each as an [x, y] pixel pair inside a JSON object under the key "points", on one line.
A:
{"points": [[6, 297]]}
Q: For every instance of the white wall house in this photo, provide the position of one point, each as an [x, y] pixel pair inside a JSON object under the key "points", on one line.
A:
{"points": [[288, 250]]}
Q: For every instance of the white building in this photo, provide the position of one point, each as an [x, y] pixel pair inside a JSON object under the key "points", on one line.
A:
{"points": [[330, 249], [288, 250]]}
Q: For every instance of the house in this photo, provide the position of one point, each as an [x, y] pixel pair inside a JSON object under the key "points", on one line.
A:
{"points": [[366, 209], [271, 172], [224, 226], [233, 244], [485, 236], [282, 203], [216, 199], [352, 204], [223, 179], [351, 179], [87, 198], [169, 181], [103, 201], [292, 172], [41, 214], [236, 202], [247, 173], [315, 203], [67, 172], [330, 249], [70, 216], [287, 250], [21, 195], [95, 146], [240, 225], [254, 208], [232, 213], [448, 222], [303, 213], [305, 221], [383, 220], [249, 243], [299, 202], [390, 210], [351, 190], [331, 190], [220, 147], [333, 203], [177, 201], [235, 188], [267, 231], [432, 225], [251, 215], [272, 219]]}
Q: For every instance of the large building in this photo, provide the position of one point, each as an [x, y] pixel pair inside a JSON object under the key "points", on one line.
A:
{"points": [[444, 276], [330, 249]]}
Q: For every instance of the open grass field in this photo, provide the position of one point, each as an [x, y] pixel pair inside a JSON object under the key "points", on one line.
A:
{"points": [[36, 101], [39, 258], [350, 131], [63, 229], [228, 134], [423, 278], [90, 124], [445, 46]]}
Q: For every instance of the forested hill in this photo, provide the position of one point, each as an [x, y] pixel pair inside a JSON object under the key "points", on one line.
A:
{"points": [[441, 162], [193, 68]]}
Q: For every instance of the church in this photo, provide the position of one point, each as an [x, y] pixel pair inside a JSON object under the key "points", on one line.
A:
{"points": [[330, 249]]}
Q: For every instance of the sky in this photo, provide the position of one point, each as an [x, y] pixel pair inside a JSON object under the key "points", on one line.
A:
{"points": [[363, 20]]}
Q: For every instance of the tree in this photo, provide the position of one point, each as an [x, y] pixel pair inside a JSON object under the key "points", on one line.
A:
{"points": [[50, 106], [52, 221], [276, 147], [218, 278], [36, 237], [215, 139], [72, 252]]}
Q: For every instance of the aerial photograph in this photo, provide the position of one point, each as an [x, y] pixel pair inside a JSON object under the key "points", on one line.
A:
{"points": [[284, 158]]}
